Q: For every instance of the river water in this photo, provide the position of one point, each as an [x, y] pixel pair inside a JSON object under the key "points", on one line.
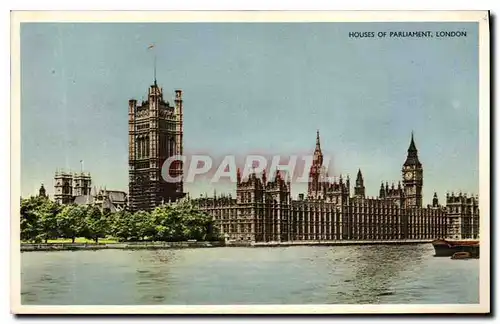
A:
{"points": [[290, 275]]}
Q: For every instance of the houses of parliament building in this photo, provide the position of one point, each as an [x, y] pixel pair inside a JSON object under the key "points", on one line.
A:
{"points": [[264, 211]]}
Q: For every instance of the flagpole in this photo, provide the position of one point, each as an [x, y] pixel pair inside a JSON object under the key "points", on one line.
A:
{"points": [[152, 46]]}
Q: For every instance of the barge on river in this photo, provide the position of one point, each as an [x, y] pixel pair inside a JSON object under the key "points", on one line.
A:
{"points": [[447, 248]]}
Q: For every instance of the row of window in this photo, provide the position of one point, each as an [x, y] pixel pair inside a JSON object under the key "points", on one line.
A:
{"points": [[166, 125], [462, 209], [368, 219]]}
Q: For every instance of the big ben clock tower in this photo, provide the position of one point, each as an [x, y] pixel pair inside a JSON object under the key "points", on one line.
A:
{"points": [[413, 176]]}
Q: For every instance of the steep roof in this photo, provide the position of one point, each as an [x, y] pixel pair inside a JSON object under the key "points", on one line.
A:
{"points": [[359, 177], [84, 200], [117, 196], [412, 157]]}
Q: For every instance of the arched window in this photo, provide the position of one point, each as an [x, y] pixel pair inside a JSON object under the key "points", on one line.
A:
{"points": [[171, 147], [138, 147]]}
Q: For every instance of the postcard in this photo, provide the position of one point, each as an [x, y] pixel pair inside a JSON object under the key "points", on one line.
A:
{"points": [[250, 162]]}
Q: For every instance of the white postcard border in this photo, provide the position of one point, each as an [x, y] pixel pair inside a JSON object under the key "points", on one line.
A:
{"points": [[482, 17]]}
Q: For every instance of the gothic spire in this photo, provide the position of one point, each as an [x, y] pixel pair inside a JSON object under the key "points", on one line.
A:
{"points": [[412, 147], [359, 176], [318, 145], [318, 155], [412, 158], [359, 179]]}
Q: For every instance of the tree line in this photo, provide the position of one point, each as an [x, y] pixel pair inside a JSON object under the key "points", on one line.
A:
{"points": [[43, 220]]}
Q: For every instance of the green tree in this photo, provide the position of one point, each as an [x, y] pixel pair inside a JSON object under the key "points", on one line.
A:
{"points": [[180, 222], [30, 219], [71, 222], [119, 225], [48, 212], [164, 223], [97, 224], [197, 224], [42, 219], [141, 225]]}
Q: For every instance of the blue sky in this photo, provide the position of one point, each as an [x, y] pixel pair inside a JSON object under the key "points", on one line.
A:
{"points": [[254, 88]]}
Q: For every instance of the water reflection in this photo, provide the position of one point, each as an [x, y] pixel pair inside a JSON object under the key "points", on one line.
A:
{"points": [[368, 272], [295, 275], [152, 280], [377, 269], [48, 281]]}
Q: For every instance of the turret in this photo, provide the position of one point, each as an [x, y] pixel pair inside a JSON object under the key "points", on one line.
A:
{"points": [[42, 192], [359, 179], [359, 189], [435, 201], [382, 190]]}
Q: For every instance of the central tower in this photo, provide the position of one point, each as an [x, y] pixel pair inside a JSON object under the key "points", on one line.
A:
{"points": [[155, 134], [413, 177], [317, 174]]}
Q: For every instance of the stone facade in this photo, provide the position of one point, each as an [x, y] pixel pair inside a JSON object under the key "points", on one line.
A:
{"points": [[463, 216], [155, 134], [112, 200], [68, 185], [75, 188], [264, 211]]}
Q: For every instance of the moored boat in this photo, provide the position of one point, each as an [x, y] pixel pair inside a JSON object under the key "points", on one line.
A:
{"points": [[461, 256], [449, 247]]}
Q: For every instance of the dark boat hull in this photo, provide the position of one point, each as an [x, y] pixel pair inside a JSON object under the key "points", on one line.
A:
{"points": [[445, 248]]}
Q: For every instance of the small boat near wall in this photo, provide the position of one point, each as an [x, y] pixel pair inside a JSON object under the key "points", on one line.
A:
{"points": [[462, 256]]}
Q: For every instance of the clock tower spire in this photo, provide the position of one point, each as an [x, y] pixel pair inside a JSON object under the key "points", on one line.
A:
{"points": [[413, 176]]}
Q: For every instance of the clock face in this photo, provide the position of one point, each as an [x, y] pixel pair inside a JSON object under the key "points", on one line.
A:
{"points": [[408, 175]]}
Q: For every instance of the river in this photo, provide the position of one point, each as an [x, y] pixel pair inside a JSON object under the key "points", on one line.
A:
{"points": [[376, 274]]}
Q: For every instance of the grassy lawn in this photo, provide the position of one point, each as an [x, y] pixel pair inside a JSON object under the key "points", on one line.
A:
{"points": [[81, 240]]}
